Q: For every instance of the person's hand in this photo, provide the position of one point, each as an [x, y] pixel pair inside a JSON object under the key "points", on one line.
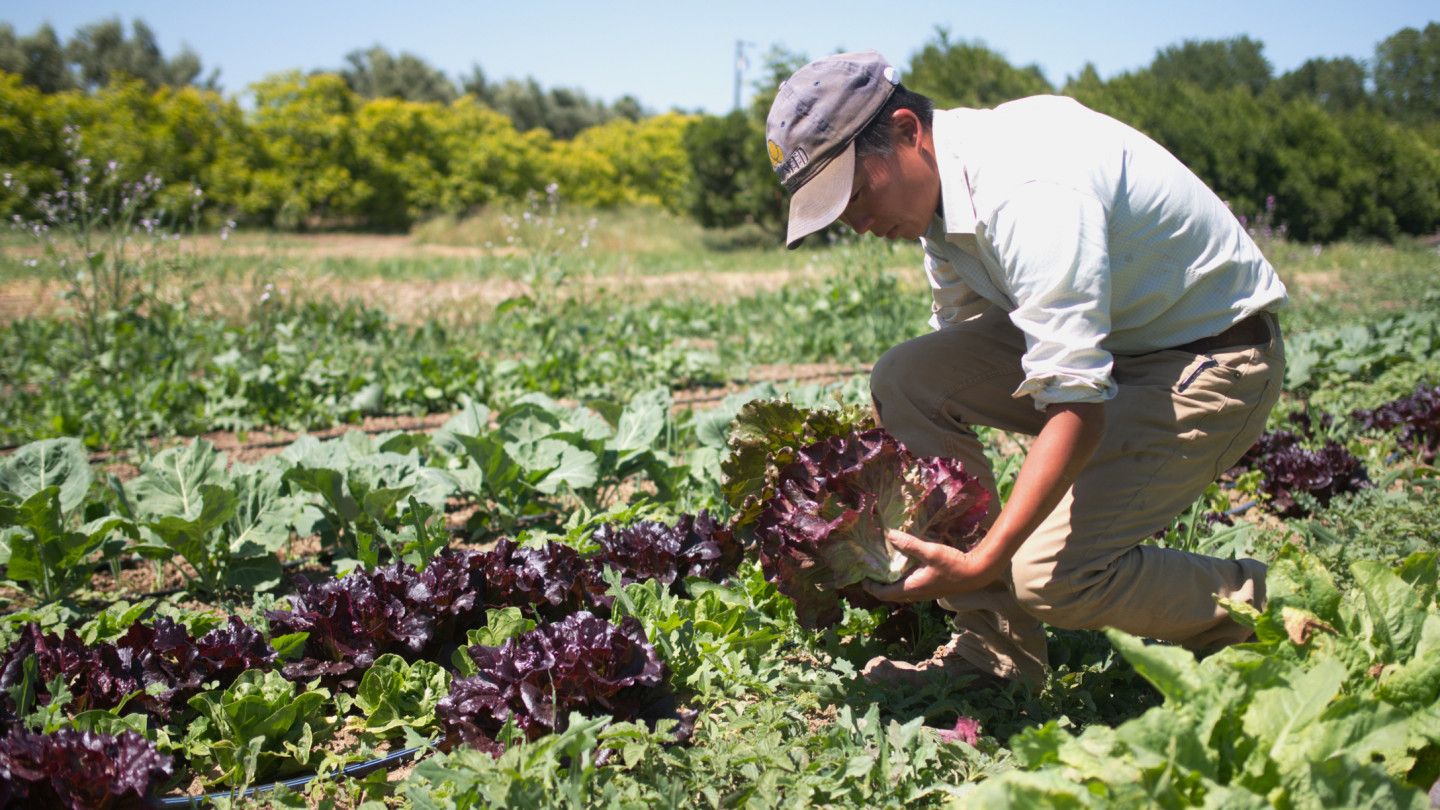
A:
{"points": [[944, 571]]}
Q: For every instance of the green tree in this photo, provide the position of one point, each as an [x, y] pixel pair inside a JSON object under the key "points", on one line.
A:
{"points": [[1407, 74], [487, 159], [30, 144], [376, 73], [401, 159], [649, 161], [101, 51], [310, 170], [733, 183], [1336, 84], [1215, 64], [563, 111], [38, 59], [968, 74]]}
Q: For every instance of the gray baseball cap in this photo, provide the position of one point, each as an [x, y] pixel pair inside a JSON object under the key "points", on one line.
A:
{"points": [[810, 133]]}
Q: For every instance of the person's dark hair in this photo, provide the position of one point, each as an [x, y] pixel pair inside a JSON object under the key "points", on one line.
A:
{"points": [[878, 137]]}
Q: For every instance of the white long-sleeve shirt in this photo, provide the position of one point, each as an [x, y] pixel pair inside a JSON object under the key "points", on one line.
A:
{"points": [[1091, 236]]}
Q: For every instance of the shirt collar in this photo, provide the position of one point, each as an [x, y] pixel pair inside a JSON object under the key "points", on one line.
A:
{"points": [[957, 190]]}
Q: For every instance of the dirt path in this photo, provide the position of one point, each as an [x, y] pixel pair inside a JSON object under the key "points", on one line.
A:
{"points": [[411, 300]]}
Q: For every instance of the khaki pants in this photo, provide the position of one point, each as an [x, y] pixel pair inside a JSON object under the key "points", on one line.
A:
{"points": [[1179, 420]]}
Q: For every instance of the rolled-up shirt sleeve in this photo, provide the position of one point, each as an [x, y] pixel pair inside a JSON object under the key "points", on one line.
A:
{"points": [[1050, 243]]}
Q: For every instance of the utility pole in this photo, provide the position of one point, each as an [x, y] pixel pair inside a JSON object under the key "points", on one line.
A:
{"points": [[742, 63]]}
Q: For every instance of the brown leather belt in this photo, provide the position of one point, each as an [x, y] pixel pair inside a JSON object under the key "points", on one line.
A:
{"points": [[1254, 330]]}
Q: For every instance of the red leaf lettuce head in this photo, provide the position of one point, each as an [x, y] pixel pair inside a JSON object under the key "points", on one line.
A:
{"points": [[824, 531], [581, 662], [79, 769]]}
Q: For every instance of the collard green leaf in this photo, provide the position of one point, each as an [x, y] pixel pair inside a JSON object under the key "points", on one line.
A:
{"points": [[261, 572], [498, 471], [60, 463], [201, 539], [528, 421], [565, 464], [380, 503], [170, 484], [643, 421], [330, 486], [51, 559], [473, 419], [264, 512]]}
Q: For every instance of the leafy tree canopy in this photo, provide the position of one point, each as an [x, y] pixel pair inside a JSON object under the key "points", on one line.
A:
{"points": [[1215, 64], [374, 72], [98, 54], [1407, 74], [969, 74], [1335, 84]]}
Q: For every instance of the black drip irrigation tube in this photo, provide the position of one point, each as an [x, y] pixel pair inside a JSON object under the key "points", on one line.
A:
{"points": [[357, 769]]}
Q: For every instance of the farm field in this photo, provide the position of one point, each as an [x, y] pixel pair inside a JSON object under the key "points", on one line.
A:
{"points": [[480, 507]]}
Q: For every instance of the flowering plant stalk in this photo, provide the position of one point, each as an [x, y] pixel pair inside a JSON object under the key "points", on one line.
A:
{"points": [[106, 239]]}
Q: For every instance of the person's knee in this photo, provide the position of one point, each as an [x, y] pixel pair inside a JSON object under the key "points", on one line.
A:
{"points": [[1059, 599], [892, 378]]}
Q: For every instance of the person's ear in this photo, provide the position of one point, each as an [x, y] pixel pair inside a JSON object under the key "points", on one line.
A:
{"points": [[907, 126]]}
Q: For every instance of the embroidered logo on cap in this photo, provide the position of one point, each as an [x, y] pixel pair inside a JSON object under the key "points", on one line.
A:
{"points": [[776, 154], [797, 161]]}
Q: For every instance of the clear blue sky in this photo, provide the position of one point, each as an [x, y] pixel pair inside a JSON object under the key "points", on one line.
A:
{"points": [[671, 54]]}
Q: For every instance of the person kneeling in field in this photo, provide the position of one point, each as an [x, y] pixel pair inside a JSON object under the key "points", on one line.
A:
{"points": [[1090, 291]]}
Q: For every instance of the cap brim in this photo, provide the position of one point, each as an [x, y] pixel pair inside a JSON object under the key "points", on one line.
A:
{"points": [[822, 200]]}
